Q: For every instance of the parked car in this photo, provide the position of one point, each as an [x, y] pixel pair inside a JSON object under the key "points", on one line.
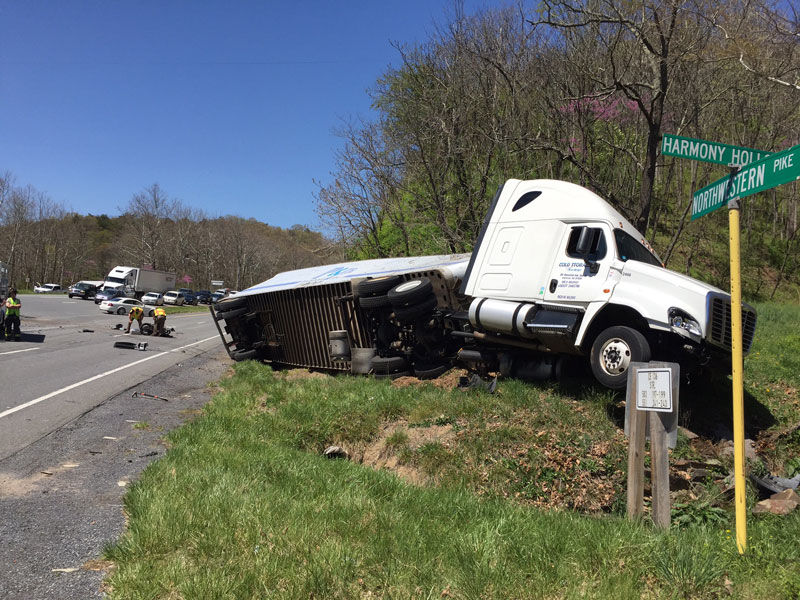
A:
{"points": [[203, 296], [174, 297], [108, 294], [189, 295], [47, 288], [153, 298], [216, 297], [122, 306], [83, 289]]}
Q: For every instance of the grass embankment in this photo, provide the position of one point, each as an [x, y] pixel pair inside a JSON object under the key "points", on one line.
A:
{"points": [[179, 310], [245, 506]]}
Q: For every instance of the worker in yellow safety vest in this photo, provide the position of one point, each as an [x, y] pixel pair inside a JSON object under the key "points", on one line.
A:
{"points": [[13, 306], [136, 314], [159, 318]]}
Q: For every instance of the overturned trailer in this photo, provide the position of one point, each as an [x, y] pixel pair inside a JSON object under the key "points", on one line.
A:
{"points": [[556, 271]]}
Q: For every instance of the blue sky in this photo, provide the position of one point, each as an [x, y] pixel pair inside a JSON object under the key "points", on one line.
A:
{"points": [[228, 106]]}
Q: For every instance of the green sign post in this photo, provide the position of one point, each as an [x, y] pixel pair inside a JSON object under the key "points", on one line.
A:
{"points": [[772, 171], [713, 152]]}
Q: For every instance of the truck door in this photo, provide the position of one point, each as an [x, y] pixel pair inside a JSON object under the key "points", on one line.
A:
{"points": [[581, 270]]}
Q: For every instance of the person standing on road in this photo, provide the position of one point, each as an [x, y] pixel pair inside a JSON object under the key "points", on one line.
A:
{"points": [[136, 313], [13, 306], [159, 318]]}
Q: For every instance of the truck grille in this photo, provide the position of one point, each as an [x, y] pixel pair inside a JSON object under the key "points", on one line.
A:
{"points": [[719, 313], [297, 321]]}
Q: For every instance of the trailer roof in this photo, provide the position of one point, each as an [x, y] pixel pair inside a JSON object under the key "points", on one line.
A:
{"points": [[456, 264]]}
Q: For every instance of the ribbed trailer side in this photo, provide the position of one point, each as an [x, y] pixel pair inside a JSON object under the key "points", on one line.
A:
{"points": [[297, 323]]}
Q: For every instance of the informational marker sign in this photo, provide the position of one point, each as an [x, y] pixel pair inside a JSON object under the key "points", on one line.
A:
{"points": [[713, 152], [654, 389], [772, 171], [217, 282]]}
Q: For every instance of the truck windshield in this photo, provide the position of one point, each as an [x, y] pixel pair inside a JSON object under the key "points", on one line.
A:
{"points": [[115, 279], [631, 249]]}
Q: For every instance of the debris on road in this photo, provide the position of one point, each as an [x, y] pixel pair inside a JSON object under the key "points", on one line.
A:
{"points": [[143, 395], [89, 330], [131, 345]]}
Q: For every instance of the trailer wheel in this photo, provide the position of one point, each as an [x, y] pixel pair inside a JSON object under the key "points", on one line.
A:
{"points": [[410, 292], [412, 313], [612, 353], [430, 372], [232, 314], [244, 354], [232, 304], [383, 365], [377, 285], [373, 302]]}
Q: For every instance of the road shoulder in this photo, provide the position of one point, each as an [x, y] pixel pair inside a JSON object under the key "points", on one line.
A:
{"points": [[61, 497]]}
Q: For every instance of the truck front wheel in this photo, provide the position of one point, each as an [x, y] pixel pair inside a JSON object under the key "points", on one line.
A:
{"points": [[612, 353]]}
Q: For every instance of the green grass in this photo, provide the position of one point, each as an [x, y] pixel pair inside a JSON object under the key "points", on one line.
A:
{"points": [[244, 505], [177, 310]]}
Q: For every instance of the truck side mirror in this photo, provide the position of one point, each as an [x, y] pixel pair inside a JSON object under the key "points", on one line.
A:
{"points": [[585, 246], [585, 239]]}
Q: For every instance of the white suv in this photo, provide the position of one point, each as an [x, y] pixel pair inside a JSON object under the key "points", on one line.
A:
{"points": [[173, 297]]}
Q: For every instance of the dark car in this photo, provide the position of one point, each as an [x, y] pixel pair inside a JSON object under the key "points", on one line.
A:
{"points": [[189, 295], [203, 296], [109, 294], [83, 290], [216, 297]]}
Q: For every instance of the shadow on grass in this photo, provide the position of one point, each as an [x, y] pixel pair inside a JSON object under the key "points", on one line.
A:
{"points": [[705, 404]]}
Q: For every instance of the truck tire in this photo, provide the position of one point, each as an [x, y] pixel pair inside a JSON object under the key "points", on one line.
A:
{"points": [[226, 305], [430, 372], [384, 365], [244, 354], [410, 292], [412, 313], [232, 314], [373, 302], [612, 353], [377, 285]]}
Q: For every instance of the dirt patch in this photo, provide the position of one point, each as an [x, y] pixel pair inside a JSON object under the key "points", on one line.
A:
{"points": [[446, 381], [384, 452]]}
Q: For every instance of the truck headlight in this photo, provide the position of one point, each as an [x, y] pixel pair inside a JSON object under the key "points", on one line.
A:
{"points": [[683, 324]]}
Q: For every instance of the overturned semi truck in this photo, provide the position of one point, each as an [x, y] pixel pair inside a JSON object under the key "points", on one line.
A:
{"points": [[556, 271]]}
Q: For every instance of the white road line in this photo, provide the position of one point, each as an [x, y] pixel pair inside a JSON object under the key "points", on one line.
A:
{"points": [[96, 377], [15, 351]]}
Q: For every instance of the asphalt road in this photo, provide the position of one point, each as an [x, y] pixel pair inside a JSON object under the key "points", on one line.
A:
{"points": [[72, 437], [66, 363]]}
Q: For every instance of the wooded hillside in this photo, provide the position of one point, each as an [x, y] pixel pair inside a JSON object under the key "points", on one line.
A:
{"points": [[580, 90], [41, 241]]}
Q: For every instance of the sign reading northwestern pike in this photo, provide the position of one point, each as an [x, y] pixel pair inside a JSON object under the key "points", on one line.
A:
{"points": [[714, 152], [764, 174]]}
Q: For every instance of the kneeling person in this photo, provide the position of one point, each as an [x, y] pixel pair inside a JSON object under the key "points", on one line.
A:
{"points": [[136, 313], [159, 318]]}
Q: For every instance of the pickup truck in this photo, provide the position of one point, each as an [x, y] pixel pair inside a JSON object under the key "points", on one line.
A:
{"points": [[556, 271]]}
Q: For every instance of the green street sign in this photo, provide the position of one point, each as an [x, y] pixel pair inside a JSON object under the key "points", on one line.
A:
{"points": [[713, 152], [774, 170]]}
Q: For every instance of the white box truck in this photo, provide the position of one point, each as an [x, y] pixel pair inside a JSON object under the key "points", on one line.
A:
{"points": [[136, 282], [556, 271]]}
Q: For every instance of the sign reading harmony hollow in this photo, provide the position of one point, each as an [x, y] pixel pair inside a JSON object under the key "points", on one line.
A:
{"points": [[769, 172], [713, 152], [654, 389]]}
